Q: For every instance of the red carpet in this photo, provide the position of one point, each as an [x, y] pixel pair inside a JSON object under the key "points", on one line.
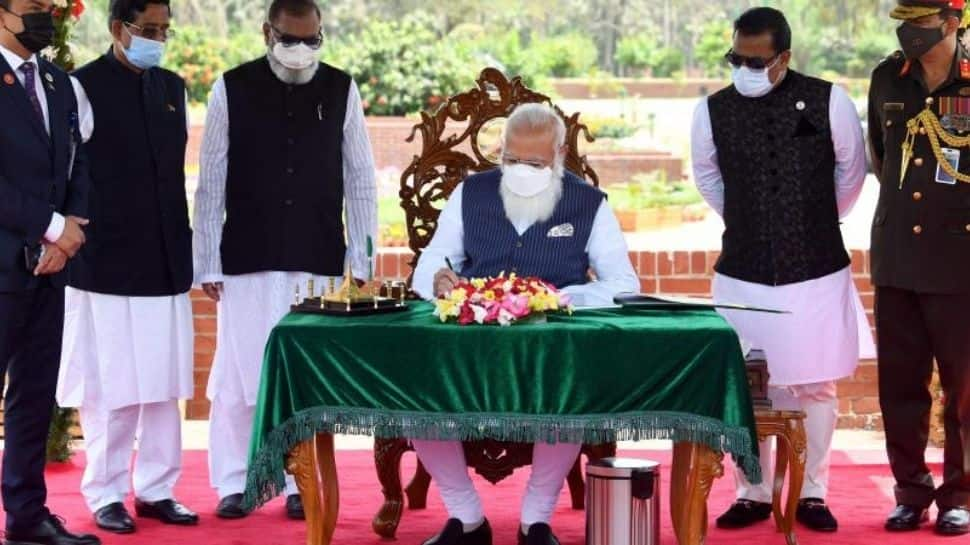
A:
{"points": [[860, 499]]}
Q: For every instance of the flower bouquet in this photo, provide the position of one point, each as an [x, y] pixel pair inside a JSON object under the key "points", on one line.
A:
{"points": [[501, 300], [66, 15]]}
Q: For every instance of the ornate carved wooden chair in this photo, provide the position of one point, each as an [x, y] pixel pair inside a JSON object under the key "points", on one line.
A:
{"points": [[461, 138]]}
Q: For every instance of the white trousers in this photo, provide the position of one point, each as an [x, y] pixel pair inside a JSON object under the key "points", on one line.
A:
{"points": [[821, 406], [445, 461], [230, 428], [110, 437]]}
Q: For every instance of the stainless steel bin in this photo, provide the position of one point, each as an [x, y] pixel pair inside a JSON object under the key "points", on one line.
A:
{"points": [[622, 502]]}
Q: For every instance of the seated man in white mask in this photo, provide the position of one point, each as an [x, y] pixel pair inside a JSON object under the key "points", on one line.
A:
{"points": [[532, 218]]}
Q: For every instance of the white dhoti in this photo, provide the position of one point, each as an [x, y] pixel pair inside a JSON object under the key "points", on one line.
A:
{"points": [[250, 307], [126, 362], [818, 343], [445, 462]]}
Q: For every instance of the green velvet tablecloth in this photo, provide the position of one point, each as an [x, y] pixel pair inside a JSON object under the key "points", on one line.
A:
{"points": [[595, 376]]}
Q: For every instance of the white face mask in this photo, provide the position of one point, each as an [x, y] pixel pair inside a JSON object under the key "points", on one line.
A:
{"points": [[297, 57], [752, 83], [526, 181]]}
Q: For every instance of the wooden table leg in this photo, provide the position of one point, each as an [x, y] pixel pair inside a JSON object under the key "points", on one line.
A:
{"points": [[694, 469], [312, 465], [387, 459]]}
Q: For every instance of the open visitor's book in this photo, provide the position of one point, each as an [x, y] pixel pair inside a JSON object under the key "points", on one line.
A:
{"points": [[667, 302]]}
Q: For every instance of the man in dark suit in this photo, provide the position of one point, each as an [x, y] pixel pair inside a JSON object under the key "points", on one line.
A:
{"points": [[43, 178]]}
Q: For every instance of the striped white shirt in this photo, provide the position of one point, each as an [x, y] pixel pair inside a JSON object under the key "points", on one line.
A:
{"points": [[360, 187]]}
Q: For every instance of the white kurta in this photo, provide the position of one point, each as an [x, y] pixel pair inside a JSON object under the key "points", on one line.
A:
{"points": [[253, 303], [250, 307], [138, 349], [827, 331]]}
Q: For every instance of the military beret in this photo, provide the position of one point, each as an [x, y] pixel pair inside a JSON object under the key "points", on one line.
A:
{"points": [[914, 9]]}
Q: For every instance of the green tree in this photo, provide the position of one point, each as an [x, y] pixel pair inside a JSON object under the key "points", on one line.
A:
{"points": [[666, 62], [403, 66], [567, 55], [715, 40], [634, 53]]}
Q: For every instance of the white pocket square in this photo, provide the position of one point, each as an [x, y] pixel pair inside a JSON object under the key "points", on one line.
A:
{"points": [[563, 230]]}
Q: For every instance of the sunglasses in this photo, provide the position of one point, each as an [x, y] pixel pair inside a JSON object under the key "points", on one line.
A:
{"points": [[754, 63], [151, 33], [289, 40]]}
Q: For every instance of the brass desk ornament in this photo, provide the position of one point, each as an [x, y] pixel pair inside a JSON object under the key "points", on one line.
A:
{"points": [[352, 299]]}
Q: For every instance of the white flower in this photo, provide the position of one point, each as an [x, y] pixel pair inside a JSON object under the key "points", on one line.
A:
{"points": [[505, 317], [60, 3], [480, 313]]}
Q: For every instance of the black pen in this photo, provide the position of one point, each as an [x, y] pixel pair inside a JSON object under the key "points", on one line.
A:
{"points": [[448, 262]]}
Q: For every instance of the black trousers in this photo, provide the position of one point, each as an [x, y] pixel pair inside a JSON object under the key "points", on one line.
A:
{"points": [[31, 329], [913, 330]]}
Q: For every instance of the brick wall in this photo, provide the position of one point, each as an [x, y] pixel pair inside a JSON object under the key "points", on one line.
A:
{"points": [[680, 272]]}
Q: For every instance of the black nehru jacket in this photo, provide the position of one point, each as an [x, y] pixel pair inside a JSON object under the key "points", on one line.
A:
{"points": [[139, 241], [284, 187], [778, 164]]}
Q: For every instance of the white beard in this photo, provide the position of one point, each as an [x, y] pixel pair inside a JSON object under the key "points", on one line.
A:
{"points": [[289, 75], [538, 208]]}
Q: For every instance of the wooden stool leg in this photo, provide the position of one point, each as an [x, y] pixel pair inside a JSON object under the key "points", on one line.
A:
{"points": [[313, 466], [577, 488], [387, 460], [795, 447], [784, 518], [694, 469]]}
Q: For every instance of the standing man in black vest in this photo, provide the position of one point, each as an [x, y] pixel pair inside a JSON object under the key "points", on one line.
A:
{"points": [[781, 157], [285, 149], [919, 121], [128, 331], [43, 186]]}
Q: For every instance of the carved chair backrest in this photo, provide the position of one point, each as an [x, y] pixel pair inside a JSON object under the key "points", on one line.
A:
{"points": [[474, 121]]}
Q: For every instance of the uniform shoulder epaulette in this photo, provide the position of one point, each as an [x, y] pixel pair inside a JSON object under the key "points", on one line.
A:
{"points": [[894, 57], [895, 63]]}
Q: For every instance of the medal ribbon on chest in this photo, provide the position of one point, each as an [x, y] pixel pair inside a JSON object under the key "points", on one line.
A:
{"points": [[928, 123]]}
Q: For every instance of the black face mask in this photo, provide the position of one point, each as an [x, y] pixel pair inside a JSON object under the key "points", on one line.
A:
{"points": [[38, 32], [917, 41]]}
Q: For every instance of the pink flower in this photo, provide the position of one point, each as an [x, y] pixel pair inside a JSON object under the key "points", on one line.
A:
{"points": [[516, 305], [492, 309]]}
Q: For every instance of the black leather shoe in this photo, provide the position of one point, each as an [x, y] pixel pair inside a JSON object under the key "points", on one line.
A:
{"points": [[539, 534], [49, 532], [744, 513], [294, 507], [168, 511], [231, 507], [906, 518], [815, 515], [454, 534], [953, 521], [114, 518]]}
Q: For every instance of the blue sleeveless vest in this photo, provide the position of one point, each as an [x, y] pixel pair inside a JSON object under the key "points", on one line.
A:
{"points": [[554, 250]]}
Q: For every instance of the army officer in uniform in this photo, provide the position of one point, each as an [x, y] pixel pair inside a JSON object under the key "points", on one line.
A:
{"points": [[919, 122]]}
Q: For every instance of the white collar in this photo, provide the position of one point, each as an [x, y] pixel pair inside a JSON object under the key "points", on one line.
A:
{"points": [[15, 61]]}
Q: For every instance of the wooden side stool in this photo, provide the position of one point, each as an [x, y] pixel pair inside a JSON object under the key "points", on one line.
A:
{"points": [[789, 429]]}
